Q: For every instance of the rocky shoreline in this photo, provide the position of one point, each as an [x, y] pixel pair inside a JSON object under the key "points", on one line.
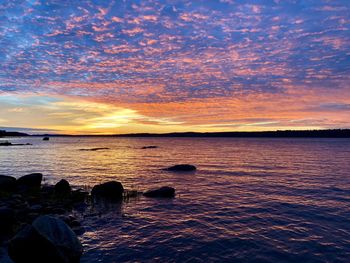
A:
{"points": [[38, 223]]}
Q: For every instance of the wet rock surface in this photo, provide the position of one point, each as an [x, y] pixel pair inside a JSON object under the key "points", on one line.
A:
{"points": [[109, 190], [41, 223], [32, 180], [47, 239], [7, 183], [63, 187]]}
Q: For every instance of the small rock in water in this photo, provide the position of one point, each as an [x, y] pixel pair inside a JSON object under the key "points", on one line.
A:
{"points": [[182, 168], [94, 149], [7, 183], [63, 188], [110, 190], [48, 239], [149, 147], [30, 180], [164, 191]]}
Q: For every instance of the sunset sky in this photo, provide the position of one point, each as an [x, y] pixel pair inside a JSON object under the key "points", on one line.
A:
{"points": [[161, 66]]}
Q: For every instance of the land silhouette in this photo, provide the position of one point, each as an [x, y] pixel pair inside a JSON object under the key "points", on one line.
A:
{"points": [[329, 133]]}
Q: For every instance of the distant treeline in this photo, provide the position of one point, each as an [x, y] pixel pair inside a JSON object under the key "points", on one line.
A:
{"points": [[338, 133], [4, 133], [335, 133]]}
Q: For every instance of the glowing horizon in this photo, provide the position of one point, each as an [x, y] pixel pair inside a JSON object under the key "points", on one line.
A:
{"points": [[113, 67]]}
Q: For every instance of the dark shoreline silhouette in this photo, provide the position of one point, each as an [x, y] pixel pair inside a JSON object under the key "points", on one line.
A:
{"points": [[330, 133], [4, 133]]}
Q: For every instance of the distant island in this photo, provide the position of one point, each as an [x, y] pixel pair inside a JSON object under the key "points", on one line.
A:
{"points": [[330, 133], [335, 133], [4, 133]]}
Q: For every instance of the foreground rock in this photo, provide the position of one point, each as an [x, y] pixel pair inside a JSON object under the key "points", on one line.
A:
{"points": [[63, 188], [7, 221], [7, 183], [111, 190], [48, 239], [30, 180], [182, 168], [165, 191]]}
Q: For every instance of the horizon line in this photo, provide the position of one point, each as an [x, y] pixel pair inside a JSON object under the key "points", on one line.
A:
{"points": [[310, 132]]}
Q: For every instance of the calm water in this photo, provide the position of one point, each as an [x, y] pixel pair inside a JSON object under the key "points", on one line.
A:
{"points": [[251, 200]]}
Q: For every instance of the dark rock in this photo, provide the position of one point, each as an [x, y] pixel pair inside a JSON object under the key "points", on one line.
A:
{"points": [[4, 257], [58, 210], [182, 168], [48, 239], [30, 180], [36, 208], [30, 217], [109, 190], [7, 221], [149, 147], [94, 149], [46, 138], [5, 143], [74, 223], [81, 207], [63, 188], [164, 191], [79, 196], [7, 183], [79, 230], [13, 144]]}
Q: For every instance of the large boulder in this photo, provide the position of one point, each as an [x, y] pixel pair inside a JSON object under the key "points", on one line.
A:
{"points": [[8, 220], [181, 168], [48, 239], [4, 257], [164, 191], [63, 188], [30, 180], [110, 190], [7, 183]]}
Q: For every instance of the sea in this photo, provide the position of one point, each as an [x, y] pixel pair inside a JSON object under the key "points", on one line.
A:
{"points": [[250, 200]]}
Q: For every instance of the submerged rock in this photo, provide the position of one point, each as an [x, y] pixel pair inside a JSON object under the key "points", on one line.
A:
{"points": [[149, 147], [46, 138], [30, 180], [109, 190], [48, 239], [181, 168], [164, 191], [63, 188], [94, 149], [7, 183]]}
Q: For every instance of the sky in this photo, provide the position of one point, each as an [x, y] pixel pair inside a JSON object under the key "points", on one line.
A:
{"points": [[102, 67]]}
